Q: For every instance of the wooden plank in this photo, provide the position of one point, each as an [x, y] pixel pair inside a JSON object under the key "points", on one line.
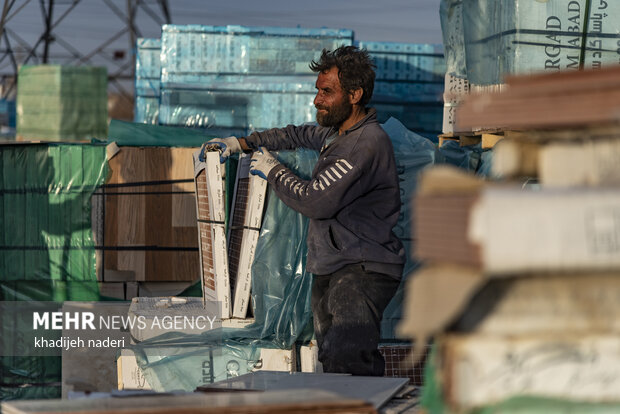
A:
{"points": [[444, 138], [489, 140], [465, 140]]}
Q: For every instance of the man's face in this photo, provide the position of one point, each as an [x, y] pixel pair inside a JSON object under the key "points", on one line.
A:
{"points": [[332, 103]]}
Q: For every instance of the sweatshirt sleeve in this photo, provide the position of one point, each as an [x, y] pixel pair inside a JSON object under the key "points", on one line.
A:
{"points": [[333, 188], [288, 138]]}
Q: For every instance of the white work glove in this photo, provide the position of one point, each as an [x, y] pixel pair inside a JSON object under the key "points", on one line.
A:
{"points": [[262, 163], [226, 146]]}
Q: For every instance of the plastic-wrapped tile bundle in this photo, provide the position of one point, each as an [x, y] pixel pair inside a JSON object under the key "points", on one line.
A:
{"points": [[148, 69], [237, 79], [190, 52], [240, 103], [62, 103], [518, 37], [48, 251], [409, 83], [451, 15]]}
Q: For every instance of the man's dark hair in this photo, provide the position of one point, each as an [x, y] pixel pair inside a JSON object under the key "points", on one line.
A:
{"points": [[355, 69]]}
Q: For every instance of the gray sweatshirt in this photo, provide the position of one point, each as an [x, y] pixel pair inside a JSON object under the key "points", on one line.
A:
{"points": [[352, 199]]}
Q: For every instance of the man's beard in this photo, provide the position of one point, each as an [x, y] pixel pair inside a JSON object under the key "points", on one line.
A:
{"points": [[335, 115]]}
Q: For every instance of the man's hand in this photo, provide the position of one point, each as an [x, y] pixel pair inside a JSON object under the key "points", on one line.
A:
{"points": [[226, 146], [262, 162]]}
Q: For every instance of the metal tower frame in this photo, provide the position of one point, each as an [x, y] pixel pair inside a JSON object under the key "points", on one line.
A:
{"points": [[39, 52]]}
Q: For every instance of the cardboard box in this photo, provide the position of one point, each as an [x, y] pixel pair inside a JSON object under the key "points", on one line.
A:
{"points": [[309, 358], [211, 213], [504, 230]]}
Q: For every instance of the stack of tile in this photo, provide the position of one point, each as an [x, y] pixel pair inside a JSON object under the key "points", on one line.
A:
{"points": [[148, 68], [577, 99], [210, 202], [247, 215], [409, 83], [62, 103], [519, 283], [487, 41], [236, 79], [145, 219], [226, 259]]}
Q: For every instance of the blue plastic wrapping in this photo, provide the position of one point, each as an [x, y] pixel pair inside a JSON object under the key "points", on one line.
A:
{"points": [[413, 154], [148, 69], [190, 52], [240, 103], [472, 158]]}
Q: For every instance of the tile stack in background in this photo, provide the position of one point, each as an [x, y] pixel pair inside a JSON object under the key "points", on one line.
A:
{"points": [[236, 79], [408, 84], [62, 103], [146, 87]]}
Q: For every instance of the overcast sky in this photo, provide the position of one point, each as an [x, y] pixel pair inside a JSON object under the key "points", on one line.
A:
{"points": [[93, 22]]}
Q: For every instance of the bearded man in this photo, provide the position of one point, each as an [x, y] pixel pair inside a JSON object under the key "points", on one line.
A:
{"points": [[352, 201]]}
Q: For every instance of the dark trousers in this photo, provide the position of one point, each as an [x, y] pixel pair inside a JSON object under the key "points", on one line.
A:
{"points": [[347, 306]]}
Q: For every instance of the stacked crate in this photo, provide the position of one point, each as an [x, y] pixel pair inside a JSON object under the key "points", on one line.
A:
{"points": [[234, 79], [148, 67], [408, 83], [62, 103]]}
